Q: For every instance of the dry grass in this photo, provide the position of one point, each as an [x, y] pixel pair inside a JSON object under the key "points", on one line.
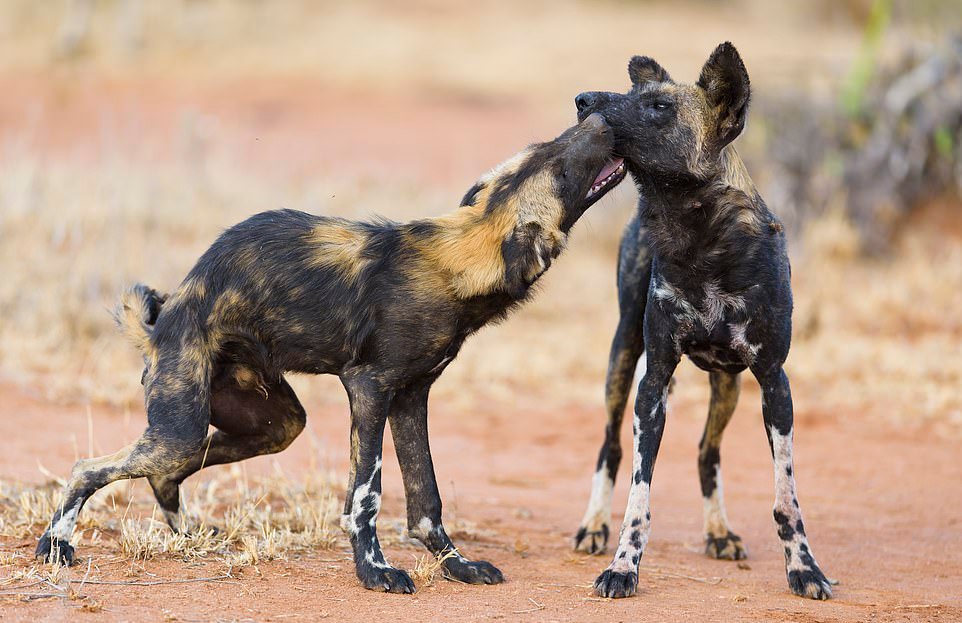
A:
{"points": [[426, 567], [238, 521]]}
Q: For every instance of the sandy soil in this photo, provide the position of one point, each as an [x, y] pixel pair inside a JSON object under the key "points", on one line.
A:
{"points": [[881, 501], [881, 506]]}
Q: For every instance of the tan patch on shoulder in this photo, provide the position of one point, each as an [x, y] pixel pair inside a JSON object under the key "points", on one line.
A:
{"points": [[464, 256], [339, 244]]}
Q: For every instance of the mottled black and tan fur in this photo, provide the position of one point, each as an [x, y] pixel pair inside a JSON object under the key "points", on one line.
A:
{"points": [[703, 272], [385, 306]]}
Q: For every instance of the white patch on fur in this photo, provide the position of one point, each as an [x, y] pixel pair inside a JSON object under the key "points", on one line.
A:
{"points": [[599, 504], [785, 498], [371, 558], [716, 520], [640, 368], [638, 510], [717, 302], [784, 484], [361, 493], [667, 292], [425, 526], [713, 307], [63, 529], [740, 342]]}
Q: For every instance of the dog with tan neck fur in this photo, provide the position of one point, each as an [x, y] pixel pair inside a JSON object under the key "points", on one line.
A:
{"points": [[702, 271], [384, 306]]}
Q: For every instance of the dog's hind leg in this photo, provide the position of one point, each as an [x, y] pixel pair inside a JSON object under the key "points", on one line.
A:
{"points": [[805, 578], [178, 416], [409, 426], [720, 541], [251, 421], [369, 408], [634, 273]]}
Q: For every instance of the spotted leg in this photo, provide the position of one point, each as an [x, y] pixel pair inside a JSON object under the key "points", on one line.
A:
{"points": [[634, 273], [369, 408], [804, 576], [720, 541], [178, 417], [409, 426], [620, 579]]}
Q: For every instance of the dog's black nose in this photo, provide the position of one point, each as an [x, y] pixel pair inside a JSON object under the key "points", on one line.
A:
{"points": [[584, 101]]}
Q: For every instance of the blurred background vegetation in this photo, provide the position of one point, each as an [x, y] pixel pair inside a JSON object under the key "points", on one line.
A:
{"points": [[132, 132]]}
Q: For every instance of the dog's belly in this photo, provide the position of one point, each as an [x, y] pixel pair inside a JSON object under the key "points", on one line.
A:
{"points": [[712, 357]]}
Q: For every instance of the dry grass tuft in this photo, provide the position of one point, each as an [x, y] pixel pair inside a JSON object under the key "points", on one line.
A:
{"points": [[426, 567]]}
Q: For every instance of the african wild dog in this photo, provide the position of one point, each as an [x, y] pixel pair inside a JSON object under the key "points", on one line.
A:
{"points": [[703, 272], [385, 306]]}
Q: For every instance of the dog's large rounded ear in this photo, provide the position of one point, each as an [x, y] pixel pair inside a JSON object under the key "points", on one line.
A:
{"points": [[642, 69], [526, 257], [725, 82]]}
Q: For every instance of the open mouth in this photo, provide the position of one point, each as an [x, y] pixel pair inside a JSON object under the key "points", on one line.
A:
{"points": [[608, 178]]}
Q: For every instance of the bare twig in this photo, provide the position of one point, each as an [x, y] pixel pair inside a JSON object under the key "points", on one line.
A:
{"points": [[536, 608], [217, 578], [672, 574], [30, 596], [80, 590]]}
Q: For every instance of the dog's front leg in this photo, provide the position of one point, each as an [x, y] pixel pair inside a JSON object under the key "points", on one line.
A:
{"points": [[409, 426], [620, 579], [804, 576], [369, 406]]}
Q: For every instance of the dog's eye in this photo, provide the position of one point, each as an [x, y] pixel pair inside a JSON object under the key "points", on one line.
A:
{"points": [[661, 105]]}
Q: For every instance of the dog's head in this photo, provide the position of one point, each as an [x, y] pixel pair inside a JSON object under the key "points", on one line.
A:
{"points": [[675, 131], [542, 192]]}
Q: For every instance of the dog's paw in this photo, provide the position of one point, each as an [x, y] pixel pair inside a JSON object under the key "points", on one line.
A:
{"points": [[191, 527], [472, 572], [387, 579], [592, 540], [727, 547], [616, 584], [199, 529], [810, 582], [54, 550]]}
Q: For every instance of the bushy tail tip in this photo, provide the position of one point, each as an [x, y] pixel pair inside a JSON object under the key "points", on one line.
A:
{"points": [[137, 312]]}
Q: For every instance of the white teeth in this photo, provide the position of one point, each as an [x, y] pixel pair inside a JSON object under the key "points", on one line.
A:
{"points": [[604, 182]]}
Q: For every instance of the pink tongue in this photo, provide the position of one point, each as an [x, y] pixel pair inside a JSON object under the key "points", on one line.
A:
{"points": [[609, 169]]}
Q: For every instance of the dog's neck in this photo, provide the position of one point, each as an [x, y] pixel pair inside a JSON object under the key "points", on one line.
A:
{"points": [[698, 224], [464, 250]]}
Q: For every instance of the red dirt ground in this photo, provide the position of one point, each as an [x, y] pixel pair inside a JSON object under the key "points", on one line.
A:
{"points": [[881, 504]]}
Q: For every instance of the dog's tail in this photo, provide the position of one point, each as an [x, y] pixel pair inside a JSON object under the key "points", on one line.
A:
{"points": [[137, 312]]}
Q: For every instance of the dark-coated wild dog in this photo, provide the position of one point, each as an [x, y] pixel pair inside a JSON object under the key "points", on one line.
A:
{"points": [[703, 272], [385, 306]]}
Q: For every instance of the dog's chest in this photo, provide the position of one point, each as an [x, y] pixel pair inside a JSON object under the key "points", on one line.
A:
{"points": [[709, 325]]}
